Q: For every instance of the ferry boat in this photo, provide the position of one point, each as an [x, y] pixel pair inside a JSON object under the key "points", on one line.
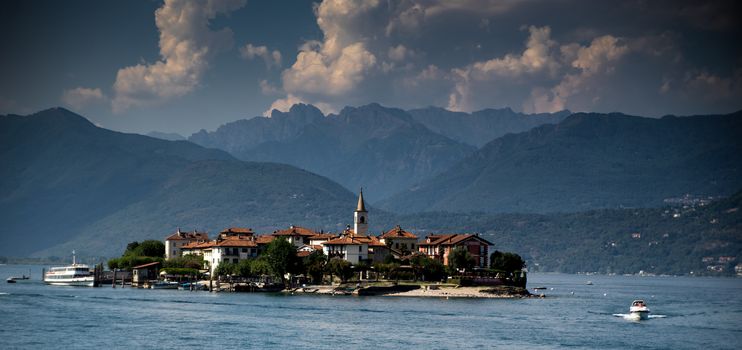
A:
{"points": [[70, 275], [639, 310]]}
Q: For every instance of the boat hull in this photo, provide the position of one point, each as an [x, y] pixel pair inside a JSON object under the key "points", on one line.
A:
{"points": [[75, 282], [639, 315]]}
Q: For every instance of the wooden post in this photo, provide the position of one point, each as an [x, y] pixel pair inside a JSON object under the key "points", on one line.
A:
{"points": [[113, 284], [43, 274]]}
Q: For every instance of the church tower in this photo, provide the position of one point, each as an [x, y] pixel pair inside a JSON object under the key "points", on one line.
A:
{"points": [[360, 217]]}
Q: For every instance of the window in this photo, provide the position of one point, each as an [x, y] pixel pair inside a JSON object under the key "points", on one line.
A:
{"points": [[359, 249], [244, 250], [361, 219], [235, 260]]}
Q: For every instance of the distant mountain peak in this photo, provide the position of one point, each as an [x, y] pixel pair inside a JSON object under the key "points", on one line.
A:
{"points": [[299, 110], [61, 114]]}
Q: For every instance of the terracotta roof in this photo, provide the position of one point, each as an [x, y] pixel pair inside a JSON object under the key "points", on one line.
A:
{"points": [[324, 236], [264, 239], [236, 242], [343, 241], [295, 231], [303, 253], [198, 245], [238, 230], [451, 239], [146, 265], [189, 236], [375, 242], [398, 232]]}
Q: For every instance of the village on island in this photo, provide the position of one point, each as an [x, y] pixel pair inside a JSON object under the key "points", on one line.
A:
{"points": [[301, 260]]}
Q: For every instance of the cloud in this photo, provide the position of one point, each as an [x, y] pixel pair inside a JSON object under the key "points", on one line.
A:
{"points": [[712, 87], [468, 55], [271, 58], [536, 58], [186, 46], [598, 57], [284, 105], [336, 65], [81, 97]]}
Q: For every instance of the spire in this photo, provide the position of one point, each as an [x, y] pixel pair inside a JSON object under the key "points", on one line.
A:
{"points": [[361, 205]]}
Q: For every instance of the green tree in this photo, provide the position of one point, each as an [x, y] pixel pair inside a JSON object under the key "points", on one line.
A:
{"points": [[149, 247], [460, 259], [131, 247], [225, 268], [281, 256], [417, 262], [340, 268], [186, 261], [244, 268], [260, 267], [433, 270], [507, 262], [314, 265]]}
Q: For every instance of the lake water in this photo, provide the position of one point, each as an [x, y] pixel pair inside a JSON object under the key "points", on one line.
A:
{"points": [[699, 313]]}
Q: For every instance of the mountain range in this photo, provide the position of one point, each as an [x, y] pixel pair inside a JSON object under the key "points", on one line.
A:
{"points": [[67, 184], [386, 150], [589, 161]]}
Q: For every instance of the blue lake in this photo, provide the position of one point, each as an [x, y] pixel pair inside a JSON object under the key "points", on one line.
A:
{"points": [[698, 313]]}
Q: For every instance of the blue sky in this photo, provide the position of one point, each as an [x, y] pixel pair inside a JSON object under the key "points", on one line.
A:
{"points": [[179, 66]]}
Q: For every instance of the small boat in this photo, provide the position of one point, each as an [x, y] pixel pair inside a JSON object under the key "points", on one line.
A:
{"points": [[14, 279], [639, 310], [164, 285], [70, 275], [589, 283], [193, 286]]}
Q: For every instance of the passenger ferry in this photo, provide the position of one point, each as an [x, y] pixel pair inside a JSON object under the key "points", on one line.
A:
{"points": [[70, 275]]}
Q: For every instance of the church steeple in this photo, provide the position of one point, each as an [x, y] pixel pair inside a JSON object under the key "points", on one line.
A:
{"points": [[361, 205], [360, 217]]}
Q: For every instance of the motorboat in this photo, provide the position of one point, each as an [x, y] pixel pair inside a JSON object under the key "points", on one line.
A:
{"points": [[639, 310], [164, 285], [14, 279], [70, 275]]}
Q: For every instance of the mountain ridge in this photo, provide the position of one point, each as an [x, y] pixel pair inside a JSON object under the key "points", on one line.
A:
{"points": [[622, 160], [66, 178]]}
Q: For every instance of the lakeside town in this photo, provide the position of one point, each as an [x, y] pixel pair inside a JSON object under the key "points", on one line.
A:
{"points": [[302, 260]]}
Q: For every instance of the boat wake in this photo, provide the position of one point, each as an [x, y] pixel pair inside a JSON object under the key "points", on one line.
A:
{"points": [[635, 317]]}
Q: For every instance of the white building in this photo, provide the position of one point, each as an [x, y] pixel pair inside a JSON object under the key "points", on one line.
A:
{"points": [[232, 250], [346, 248], [175, 242]]}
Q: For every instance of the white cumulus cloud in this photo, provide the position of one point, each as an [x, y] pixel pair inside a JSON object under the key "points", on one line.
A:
{"points": [[81, 97], [271, 58], [186, 46]]}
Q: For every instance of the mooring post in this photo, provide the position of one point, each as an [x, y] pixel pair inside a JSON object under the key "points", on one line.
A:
{"points": [[113, 284]]}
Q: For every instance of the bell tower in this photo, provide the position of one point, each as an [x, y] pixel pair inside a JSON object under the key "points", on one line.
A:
{"points": [[360, 217]]}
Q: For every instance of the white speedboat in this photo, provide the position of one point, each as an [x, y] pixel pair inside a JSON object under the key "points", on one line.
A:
{"points": [[70, 275], [639, 310]]}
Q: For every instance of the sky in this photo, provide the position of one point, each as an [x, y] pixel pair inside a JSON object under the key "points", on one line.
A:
{"points": [[181, 66]]}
